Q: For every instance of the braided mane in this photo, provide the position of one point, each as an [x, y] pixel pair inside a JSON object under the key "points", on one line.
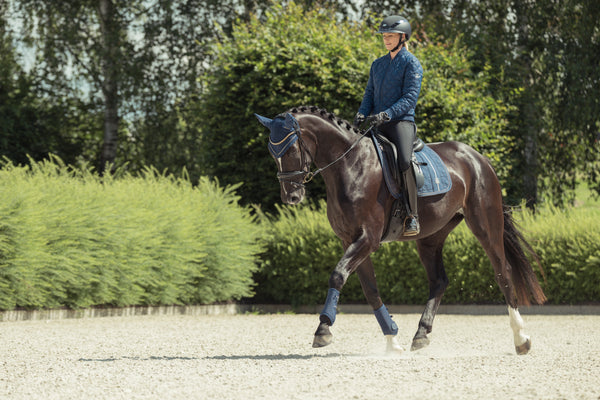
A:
{"points": [[326, 115]]}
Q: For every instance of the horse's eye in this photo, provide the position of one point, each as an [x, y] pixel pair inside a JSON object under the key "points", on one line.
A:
{"points": [[293, 151]]}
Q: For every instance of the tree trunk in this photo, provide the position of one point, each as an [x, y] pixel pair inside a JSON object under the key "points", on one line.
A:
{"points": [[110, 87]]}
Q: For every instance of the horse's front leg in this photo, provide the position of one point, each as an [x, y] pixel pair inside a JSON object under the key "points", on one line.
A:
{"points": [[366, 275], [354, 255]]}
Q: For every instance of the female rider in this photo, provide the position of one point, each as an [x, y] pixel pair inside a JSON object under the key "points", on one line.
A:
{"points": [[390, 100]]}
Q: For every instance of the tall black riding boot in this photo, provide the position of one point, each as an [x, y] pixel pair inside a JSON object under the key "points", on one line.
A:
{"points": [[411, 223]]}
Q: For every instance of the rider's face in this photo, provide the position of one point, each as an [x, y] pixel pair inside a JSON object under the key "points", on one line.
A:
{"points": [[390, 40]]}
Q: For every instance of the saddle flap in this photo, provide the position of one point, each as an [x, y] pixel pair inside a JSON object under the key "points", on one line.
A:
{"points": [[388, 157]]}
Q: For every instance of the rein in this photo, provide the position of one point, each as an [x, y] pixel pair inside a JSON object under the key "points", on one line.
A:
{"points": [[308, 174]]}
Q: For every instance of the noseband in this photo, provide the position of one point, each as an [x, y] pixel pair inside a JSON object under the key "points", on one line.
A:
{"points": [[306, 173]]}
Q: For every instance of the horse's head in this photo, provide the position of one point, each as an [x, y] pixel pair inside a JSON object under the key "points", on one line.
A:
{"points": [[293, 164]]}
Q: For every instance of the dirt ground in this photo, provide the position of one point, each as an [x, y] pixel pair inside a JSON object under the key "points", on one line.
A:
{"points": [[270, 357]]}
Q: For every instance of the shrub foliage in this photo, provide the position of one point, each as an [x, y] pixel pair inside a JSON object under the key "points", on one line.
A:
{"points": [[70, 238]]}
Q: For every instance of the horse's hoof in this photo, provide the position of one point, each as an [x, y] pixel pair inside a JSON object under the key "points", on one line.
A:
{"points": [[322, 340], [419, 343], [393, 346], [524, 348], [323, 336]]}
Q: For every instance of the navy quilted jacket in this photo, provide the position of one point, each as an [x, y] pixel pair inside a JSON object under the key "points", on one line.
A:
{"points": [[393, 86]]}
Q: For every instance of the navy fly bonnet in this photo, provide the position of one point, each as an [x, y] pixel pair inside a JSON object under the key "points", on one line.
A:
{"points": [[284, 133]]}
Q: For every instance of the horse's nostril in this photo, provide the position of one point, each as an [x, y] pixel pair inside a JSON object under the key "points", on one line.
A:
{"points": [[294, 199]]}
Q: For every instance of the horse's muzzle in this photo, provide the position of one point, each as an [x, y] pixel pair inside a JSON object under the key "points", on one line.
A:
{"points": [[292, 192]]}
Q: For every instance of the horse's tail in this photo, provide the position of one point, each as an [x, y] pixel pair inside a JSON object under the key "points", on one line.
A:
{"points": [[516, 249]]}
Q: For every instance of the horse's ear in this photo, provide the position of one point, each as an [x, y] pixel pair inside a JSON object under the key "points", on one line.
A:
{"points": [[264, 120], [290, 121]]}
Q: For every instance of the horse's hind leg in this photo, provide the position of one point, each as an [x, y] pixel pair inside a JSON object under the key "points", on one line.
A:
{"points": [[430, 253], [522, 341], [486, 221]]}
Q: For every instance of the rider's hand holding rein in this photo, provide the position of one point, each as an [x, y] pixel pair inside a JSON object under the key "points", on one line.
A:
{"points": [[378, 119], [359, 119]]}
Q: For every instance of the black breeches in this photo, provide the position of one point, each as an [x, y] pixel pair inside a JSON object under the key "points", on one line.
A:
{"points": [[402, 134]]}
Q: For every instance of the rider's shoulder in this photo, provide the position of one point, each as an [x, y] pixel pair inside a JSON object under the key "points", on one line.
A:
{"points": [[410, 59], [381, 61]]}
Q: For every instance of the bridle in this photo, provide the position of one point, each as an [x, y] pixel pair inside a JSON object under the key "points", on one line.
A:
{"points": [[306, 174]]}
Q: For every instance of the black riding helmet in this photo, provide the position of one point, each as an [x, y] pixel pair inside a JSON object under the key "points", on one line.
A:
{"points": [[395, 24]]}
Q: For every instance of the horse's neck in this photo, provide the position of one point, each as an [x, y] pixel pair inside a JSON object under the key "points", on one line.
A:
{"points": [[339, 154], [330, 142]]}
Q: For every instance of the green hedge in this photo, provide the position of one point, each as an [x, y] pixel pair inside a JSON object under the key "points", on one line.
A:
{"points": [[69, 238], [72, 239], [302, 250]]}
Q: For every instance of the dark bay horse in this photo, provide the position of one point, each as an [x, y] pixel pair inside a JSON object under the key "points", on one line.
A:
{"points": [[359, 204]]}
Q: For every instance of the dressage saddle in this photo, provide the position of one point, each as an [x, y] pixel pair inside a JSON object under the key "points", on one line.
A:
{"points": [[388, 157]]}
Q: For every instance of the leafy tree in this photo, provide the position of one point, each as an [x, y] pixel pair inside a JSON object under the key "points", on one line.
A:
{"points": [[167, 139], [29, 126], [82, 41], [290, 57], [569, 52], [129, 61]]}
